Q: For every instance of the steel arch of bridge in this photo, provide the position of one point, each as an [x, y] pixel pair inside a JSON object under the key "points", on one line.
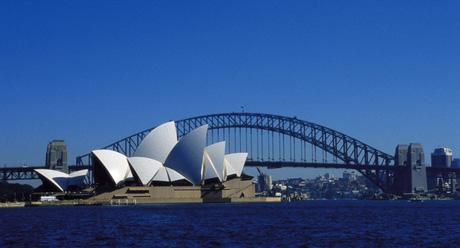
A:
{"points": [[279, 134], [341, 146]]}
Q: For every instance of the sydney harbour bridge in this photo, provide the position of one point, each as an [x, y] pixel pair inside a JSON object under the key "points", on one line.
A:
{"points": [[273, 141]]}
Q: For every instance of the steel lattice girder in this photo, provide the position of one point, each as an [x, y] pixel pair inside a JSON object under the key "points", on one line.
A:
{"points": [[344, 147]]}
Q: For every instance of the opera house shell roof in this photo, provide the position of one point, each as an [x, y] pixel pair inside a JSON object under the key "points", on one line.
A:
{"points": [[60, 181], [163, 159]]}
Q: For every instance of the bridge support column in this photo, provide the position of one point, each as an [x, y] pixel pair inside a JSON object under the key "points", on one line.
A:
{"points": [[411, 177]]}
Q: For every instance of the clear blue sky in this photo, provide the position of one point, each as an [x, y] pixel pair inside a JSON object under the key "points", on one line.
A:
{"points": [[91, 72]]}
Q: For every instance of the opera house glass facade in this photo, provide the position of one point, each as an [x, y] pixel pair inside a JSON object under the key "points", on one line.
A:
{"points": [[161, 159]]}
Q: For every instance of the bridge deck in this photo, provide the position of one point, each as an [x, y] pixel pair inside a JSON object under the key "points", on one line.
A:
{"points": [[27, 173], [286, 164]]}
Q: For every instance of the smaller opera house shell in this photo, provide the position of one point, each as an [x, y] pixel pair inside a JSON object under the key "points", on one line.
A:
{"points": [[57, 181], [161, 159]]}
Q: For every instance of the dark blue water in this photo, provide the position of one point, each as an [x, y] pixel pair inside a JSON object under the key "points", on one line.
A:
{"points": [[298, 224]]}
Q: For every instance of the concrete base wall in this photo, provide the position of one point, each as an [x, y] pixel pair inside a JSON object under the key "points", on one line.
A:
{"points": [[152, 194], [230, 191]]}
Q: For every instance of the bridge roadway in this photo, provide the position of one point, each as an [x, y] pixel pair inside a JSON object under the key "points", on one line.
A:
{"points": [[276, 165], [27, 173]]}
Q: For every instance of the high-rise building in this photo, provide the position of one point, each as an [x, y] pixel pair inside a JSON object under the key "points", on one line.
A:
{"points": [[416, 161], [56, 156], [441, 157], [411, 178], [264, 183], [401, 155], [268, 182]]}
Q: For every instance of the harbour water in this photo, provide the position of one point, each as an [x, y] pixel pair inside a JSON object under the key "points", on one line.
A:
{"points": [[295, 224]]}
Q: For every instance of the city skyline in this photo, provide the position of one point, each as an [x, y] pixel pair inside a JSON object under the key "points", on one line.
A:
{"points": [[94, 73]]}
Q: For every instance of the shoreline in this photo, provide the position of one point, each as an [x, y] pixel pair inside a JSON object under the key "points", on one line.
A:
{"points": [[186, 201]]}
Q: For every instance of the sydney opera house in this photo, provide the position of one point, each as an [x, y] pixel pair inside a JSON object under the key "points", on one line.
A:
{"points": [[163, 168]]}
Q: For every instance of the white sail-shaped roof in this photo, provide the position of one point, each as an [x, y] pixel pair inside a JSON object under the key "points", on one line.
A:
{"points": [[187, 156], [234, 163], [77, 178], [214, 161], [60, 180], [144, 169], [209, 171], [158, 143], [49, 176], [116, 164], [80, 173], [161, 175], [229, 171], [174, 175]]}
